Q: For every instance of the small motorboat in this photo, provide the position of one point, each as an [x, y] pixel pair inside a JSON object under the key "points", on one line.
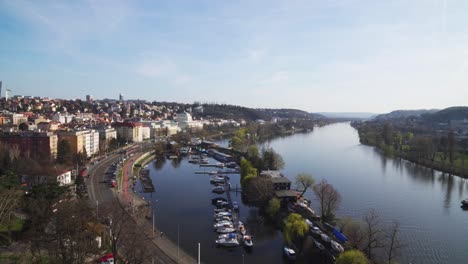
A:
{"points": [[326, 239], [228, 235], [223, 224], [248, 241], [464, 203], [223, 218], [222, 214], [318, 245], [315, 231], [227, 242], [218, 189], [242, 230], [337, 247], [225, 230], [219, 210], [289, 253]]}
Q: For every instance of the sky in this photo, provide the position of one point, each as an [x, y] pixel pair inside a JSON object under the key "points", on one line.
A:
{"points": [[316, 55]]}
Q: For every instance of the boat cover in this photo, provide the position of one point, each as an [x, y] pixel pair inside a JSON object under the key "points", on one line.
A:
{"points": [[341, 238]]}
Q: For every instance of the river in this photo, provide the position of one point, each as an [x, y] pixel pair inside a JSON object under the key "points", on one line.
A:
{"points": [[425, 202]]}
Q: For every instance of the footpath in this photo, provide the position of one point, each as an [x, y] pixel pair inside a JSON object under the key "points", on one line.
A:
{"points": [[141, 212]]}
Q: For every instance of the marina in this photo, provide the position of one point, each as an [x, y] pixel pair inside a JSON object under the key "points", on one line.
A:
{"points": [[425, 198]]}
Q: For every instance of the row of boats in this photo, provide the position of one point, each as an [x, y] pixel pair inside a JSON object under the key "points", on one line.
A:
{"points": [[230, 234]]}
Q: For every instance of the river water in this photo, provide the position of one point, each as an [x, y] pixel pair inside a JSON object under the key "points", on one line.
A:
{"points": [[426, 203]]}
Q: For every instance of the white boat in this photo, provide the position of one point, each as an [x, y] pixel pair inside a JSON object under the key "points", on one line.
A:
{"points": [[325, 238], [218, 189], [227, 242], [222, 214], [225, 230], [219, 210], [223, 224], [228, 235], [289, 253], [337, 247], [248, 241], [223, 218]]}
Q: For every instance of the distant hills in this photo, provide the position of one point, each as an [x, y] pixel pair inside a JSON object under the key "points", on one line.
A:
{"points": [[358, 115], [447, 114], [234, 112], [430, 115], [397, 114]]}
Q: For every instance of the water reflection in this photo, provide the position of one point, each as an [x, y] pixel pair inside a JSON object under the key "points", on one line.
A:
{"points": [[159, 163], [261, 229], [446, 181], [175, 163]]}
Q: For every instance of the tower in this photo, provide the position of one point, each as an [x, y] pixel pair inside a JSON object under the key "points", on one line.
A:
{"points": [[0, 89], [121, 97], [7, 94]]}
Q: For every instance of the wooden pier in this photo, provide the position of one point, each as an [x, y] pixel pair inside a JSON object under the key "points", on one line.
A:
{"points": [[217, 172]]}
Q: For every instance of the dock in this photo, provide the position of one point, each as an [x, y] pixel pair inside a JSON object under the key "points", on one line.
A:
{"points": [[217, 172], [146, 181]]}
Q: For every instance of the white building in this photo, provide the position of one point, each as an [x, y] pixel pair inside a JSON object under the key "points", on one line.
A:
{"points": [[64, 178]]}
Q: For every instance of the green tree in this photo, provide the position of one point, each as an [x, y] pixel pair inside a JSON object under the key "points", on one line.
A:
{"points": [[304, 181], [295, 228], [247, 170], [352, 257], [273, 208], [271, 160]]}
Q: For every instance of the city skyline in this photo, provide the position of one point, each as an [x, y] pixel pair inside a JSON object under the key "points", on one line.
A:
{"points": [[334, 56]]}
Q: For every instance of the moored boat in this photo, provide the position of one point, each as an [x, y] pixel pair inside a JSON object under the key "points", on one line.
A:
{"points": [[464, 203], [242, 230], [247, 241], [225, 230], [337, 247], [227, 242], [218, 189], [289, 253], [228, 235], [223, 224]]}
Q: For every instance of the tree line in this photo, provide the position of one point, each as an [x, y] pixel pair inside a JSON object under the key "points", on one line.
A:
{"points": [[444, 152]]}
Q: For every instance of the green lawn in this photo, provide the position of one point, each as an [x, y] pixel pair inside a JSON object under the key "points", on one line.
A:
{"points": [[15, 224]]}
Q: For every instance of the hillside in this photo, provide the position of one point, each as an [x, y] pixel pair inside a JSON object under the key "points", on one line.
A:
{"points": [[447, 114], [250, 114], [397, 114]]}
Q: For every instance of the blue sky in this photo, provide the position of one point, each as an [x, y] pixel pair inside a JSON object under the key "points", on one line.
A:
{"points": [[334, 55]]}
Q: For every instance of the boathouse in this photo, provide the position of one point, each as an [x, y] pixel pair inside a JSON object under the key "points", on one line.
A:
{"points": [[281, 185]]}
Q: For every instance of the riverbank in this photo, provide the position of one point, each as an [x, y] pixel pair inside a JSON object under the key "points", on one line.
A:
{"points": [[423, 150], [143, 216]]}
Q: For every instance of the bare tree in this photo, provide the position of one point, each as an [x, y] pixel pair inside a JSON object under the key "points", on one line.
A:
{"points": [[354, 231], [374, 236], [329, 198], [393, 245], [126, 238]]}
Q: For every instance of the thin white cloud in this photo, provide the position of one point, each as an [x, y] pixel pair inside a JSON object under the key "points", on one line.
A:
{"points": [[276, 78]]}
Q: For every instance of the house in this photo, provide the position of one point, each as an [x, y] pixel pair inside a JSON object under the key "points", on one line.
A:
{"points": [[281, 186]]}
